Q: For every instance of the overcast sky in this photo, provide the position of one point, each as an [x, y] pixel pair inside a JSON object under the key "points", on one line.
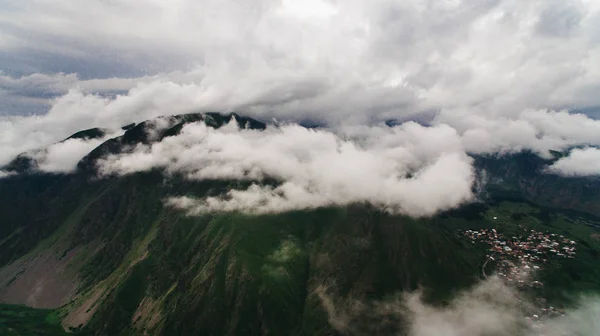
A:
{"points": [[487, 76], [386, 58]]}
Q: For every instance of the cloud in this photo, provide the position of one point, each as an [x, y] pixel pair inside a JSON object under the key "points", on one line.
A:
{"points": [[488, 308], [326, 58], [408, 173], [33, 92], [63, 157], [78, 110], [579, 162], [410, 168], [11, 104], [39, 85], [430, 191], [536, 130], [493, 73]]}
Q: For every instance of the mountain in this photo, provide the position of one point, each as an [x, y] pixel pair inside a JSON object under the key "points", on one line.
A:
{"points": [[522, 175], [108, 257]]}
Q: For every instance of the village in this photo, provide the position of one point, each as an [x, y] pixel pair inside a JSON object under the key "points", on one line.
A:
{"points": [[528, 251], [517, 258]]}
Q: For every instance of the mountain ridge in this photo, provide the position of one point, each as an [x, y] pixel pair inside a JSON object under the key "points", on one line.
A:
{"points": [[131, 265]]}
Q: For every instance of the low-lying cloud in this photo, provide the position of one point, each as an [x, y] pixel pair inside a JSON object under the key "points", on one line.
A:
{"points": [[78, 110], [62, 157], [536, 130], [489, 308], [410, 168], [316, 168], [579, 162]]}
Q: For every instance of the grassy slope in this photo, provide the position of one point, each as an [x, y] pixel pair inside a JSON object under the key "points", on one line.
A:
{"points": [[234, 274], [23, 321], [237, 274], [562, 277]]}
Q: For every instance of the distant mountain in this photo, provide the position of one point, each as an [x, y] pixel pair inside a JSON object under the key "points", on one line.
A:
{"points": [[92, 133], [110, 258], [522, 176]]}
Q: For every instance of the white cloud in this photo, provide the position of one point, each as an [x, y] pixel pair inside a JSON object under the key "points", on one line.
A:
{"points": [[39, 84], [316, 167], [335, 59], [579, 162], [489, 308], [536, 130], [63, 157], [411, 169], [76, 111], [489, 69], [430, 191], [50, 85], [493, 308]]}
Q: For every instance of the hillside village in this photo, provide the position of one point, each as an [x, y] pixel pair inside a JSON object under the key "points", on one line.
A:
{"points": [[517, 258], [531, 248]]}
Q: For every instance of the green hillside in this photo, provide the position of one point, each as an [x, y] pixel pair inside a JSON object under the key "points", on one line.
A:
{"points": [[23, 321], [111, 259]]}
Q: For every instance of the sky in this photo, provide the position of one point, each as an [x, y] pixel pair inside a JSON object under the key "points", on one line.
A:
{"points": [[317, 58], [479, 76]]}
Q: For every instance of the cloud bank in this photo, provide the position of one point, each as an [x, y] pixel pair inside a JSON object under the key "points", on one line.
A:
{"points": [[77, 110], [410, 168], [323, 58], [537, 130], [487, 77], [63, 157], [489, 308], [409, 174], [579, 162]]}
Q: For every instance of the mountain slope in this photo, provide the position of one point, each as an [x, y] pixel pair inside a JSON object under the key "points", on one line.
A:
{"points": [[115, 260], [522, 175]]}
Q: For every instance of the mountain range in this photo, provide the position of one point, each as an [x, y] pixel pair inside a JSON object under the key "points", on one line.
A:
{"points": [[106, 255]]}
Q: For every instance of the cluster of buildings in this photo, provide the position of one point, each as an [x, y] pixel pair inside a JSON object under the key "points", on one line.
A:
{"points": [[529, 248], [517, 258], [538, 319]]}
